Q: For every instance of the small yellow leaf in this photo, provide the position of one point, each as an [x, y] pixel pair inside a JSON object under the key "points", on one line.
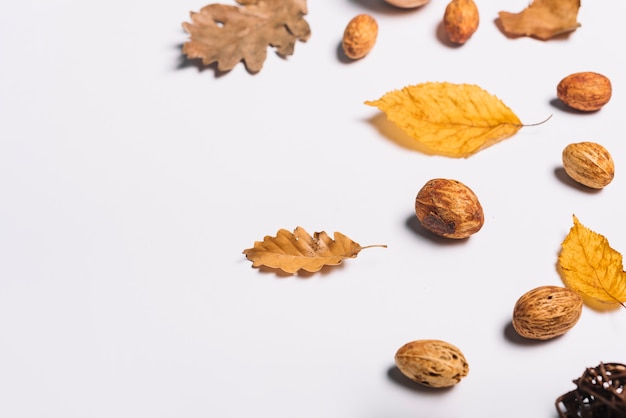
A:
{"points": [[542, 19], [291, 252], [454, 120], [591, 267]]}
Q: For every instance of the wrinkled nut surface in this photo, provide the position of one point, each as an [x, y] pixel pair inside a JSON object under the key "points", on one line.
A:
{"points": [[546, 312], [589, 164], [359, 36], [433, 363], [460, 20], [449, 208], [407, 4], [585, 91]]}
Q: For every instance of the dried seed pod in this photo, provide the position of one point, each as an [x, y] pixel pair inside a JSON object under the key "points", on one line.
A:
{"points": [[546, 312], [589, 164], [460, 20], [586, 91], [359, 36], [600, 393], [449, 208], [433, 363]]}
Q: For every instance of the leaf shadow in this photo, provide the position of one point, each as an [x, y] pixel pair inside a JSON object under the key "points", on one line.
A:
{"points": [[396, 135], [300, 274], [415, 226], [395, 375], [563, 177]]}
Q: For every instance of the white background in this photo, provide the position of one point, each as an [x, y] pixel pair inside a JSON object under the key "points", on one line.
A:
{"points": [[132, 180]]}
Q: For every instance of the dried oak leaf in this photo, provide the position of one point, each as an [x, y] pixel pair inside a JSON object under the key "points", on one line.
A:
{"points": [[291, 252], [454, 120], [592, 268], [230, 34], [542, 19]]}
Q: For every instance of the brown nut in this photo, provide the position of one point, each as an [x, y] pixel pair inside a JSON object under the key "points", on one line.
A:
{"points": [[585, 91], [589, 164], [460, 20], [407, 4], [546, 312], [359, 36], [433, 363], [449, 208]]}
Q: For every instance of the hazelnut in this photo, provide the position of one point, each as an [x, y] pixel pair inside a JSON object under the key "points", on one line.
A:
{"points": [[589, 164], [359, 36], [432, 363], [449, 208], [585, 91], [546, 312]]}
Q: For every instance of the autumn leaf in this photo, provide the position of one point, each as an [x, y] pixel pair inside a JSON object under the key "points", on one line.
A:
{"points": [[542, 19], [591, 267], [291, 252], [454, 120], [231, 34]]}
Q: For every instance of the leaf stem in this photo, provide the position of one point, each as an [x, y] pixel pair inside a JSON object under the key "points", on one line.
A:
{"points": [[538, 123], [375, 245]]}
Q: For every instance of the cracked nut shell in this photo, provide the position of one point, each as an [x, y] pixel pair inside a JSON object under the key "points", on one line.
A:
{"points": [[585, 91], [460, 20], [449, 208], [432, 363], [359, 36], [546, 312], [589, 164]]}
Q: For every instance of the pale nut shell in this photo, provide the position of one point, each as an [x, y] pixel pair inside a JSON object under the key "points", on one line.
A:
{"points": [[432, 363], [460, 20], [359, 36], [407, 4], [589, 164], [546, 312], [449, 208], [585, 91]]}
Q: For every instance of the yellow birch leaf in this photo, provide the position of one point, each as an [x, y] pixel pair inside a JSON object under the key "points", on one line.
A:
{"points": [[453, 120], [592, 268], [291, 252]]}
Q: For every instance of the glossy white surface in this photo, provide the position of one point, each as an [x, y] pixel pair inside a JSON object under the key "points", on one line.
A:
{"points": [[132, 181]]}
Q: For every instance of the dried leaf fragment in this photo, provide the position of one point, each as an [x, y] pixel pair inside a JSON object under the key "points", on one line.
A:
{"points": [[542, 19], [230, 34], [591, 267], [299, 250], [454, 120]]}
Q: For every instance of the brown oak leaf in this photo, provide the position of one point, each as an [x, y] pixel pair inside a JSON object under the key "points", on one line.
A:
{"points": [[230, 34], [542, 19], [291, 252]]}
